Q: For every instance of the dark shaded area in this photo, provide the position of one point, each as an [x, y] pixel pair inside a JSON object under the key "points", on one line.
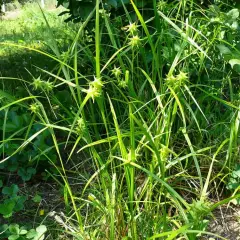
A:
{"points": [[15, 64]]}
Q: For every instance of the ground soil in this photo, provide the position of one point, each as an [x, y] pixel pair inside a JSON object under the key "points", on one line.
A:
{"points": [[226, 222], [11, 15]]}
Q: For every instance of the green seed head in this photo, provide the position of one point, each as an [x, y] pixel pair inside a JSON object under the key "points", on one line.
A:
{"points": [[81, 127], [132, 28], [177, 81], [122, 84], [97, 83], [182, 76], [134, 41], [34, 108], [161, 5], [116, 72], [38, 83], [48, 86], [92, 92], [164, 152]]}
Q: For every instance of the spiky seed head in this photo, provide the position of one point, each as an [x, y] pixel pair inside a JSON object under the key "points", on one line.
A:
{"points": [[92, 92], [132, 28], [96, 83], [182, 76], [38, 83], [34, 108], [48, 86], [122, 84], [116, 72], [134, 41]]}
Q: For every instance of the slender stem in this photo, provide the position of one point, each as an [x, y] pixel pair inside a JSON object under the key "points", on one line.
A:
{"points": [[97, 40]]}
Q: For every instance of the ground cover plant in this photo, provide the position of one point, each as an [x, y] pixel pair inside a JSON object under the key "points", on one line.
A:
{"points": [[137, 120]]}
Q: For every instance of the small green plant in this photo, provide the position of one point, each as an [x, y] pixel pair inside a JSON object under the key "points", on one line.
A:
{"points": [[17, 122], [234, 182], [15, 232], [12, 202]]}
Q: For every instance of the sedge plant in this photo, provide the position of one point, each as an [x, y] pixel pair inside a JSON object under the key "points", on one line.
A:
{"points": [[138, 111]]}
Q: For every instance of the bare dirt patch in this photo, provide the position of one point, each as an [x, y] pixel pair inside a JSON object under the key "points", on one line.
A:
{"points": [[11, 15], [225, 223]]}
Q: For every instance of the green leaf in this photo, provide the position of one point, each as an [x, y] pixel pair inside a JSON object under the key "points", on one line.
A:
{"points": [[4, 231], [112, 3], [15, 122], [1, 183], [14, 229], [10, 191], [236, 174], [23, 231], [236, 201], [234, 62], [13, 237], [39, 237], [224, 50], [233, 14], [31, 234], [37, 198], [13, 162], [234, 25], [233, 184], [6, 209], [26, 174], [41, 229], [37, 234], [20, 200]]}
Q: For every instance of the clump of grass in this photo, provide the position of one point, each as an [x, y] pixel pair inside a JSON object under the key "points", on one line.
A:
{"points": [[139, 103]]}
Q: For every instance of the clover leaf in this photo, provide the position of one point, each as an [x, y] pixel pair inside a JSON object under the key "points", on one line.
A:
{"points": [[37, 234], [26, 173], [6, 209], [11, 191]]}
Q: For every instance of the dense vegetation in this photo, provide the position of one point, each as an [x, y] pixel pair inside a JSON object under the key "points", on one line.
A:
{"points": [[134, 111]]}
